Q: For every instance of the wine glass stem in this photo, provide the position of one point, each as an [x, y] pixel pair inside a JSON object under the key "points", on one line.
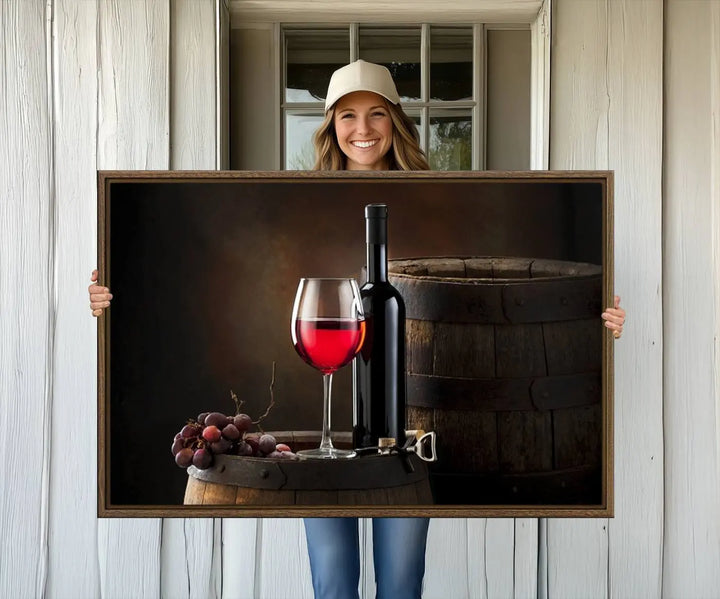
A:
{"points": [[326, 442]]}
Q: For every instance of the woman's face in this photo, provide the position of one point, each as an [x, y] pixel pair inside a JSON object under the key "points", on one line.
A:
{"points": [[364, 130]]}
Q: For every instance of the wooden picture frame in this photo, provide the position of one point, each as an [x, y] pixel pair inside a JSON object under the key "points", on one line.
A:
{"points": [[504, 275]]}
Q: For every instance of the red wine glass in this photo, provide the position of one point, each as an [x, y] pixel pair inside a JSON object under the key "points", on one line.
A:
{"points": [[327, 328]]}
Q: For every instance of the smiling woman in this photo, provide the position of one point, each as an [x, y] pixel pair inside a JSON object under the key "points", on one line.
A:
{"points": [[365, 128], [364, 131]]}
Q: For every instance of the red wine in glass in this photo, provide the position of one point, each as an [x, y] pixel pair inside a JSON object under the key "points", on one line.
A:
{"points": [[327, 329], [328, 343]]}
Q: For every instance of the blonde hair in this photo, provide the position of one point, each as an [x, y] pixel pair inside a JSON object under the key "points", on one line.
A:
{"points": [[404, 155]]}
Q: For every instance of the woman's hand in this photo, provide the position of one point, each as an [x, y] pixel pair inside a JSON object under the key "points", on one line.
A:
{"points": [[99, 296], [615, 318]]}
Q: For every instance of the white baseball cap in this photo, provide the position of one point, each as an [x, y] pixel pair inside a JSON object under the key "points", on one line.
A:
{"points": [[361, 76]]}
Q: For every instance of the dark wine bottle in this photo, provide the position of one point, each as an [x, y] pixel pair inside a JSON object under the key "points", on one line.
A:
{"points": [[379, 367]]}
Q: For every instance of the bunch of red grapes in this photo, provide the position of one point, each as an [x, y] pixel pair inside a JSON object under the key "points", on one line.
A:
{"points": [[214, 433]]}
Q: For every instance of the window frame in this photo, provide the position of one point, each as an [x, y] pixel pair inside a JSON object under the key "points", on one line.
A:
{"points": [[477, 106], [499, 14]]}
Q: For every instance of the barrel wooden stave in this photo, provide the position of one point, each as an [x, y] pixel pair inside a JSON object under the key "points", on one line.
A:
{"points": [[527, 441], [519, 351], [476, 449], [579, 435], [468, 350], [573, 346]]}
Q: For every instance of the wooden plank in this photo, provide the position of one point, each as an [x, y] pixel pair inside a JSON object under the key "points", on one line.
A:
{"points": [[424, 493], [194, 491], [420, 418], [192, 544], [525, 440], [573, 346], [577, 436], [283, 567], [525, 562], [129, 557], [477, 558], [216, 494], [26, 297], [591, 581], [404, 494], [636, 80], [132, 133], [499, 554], [607, 97], [577, 554], [351, 497], [317, 497], [466, 441], [465, 350], [74, 93], [579, 139], [419, 336], [249, 496], [490, 549], [519, 351], [690, 300], [240, 560], [133, 124], [193, 119], [447, 567]]}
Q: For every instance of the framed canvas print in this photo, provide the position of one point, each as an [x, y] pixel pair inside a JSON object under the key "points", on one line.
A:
{"points": [[204, 402]]}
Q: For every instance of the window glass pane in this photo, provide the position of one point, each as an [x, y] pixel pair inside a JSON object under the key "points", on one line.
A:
{"points": [[399, 50], [299, 150], [417, 119], [451, 63], [450, 140], [312, 56]]}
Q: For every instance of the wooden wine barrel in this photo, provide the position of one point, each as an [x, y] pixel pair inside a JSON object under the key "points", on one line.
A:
{"points": [[504, 361], [367, 480]]}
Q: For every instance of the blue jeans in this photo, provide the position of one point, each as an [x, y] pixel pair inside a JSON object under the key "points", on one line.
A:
{"points": [[398, 556]]}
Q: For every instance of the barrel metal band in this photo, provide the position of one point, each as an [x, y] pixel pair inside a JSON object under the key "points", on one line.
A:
{"points": [[489, 301], [525, 393], [364, 473]]}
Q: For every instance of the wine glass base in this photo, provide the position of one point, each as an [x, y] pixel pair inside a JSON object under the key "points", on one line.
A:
{"points": [[328, 453]]}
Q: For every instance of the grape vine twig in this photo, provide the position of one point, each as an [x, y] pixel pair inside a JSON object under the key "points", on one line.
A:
{"points": [[272, 401], [238, 402]]}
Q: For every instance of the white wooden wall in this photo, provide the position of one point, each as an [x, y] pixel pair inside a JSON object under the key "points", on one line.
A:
{"points": [[607, 101], [691, 300], [130, 84]]}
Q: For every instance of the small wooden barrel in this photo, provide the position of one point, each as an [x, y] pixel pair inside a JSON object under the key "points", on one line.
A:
{"points": [[367, 480], [504, 361]]}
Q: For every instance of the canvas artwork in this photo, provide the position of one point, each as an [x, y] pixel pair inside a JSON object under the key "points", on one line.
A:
{"points": [[504, 277]]}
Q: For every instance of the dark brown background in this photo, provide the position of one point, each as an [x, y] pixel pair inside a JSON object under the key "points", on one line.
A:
{"points": [[204, 276]]}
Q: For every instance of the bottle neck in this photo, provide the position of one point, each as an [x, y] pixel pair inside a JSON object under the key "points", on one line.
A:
{"points": [[376, 238], [377, 262]]}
